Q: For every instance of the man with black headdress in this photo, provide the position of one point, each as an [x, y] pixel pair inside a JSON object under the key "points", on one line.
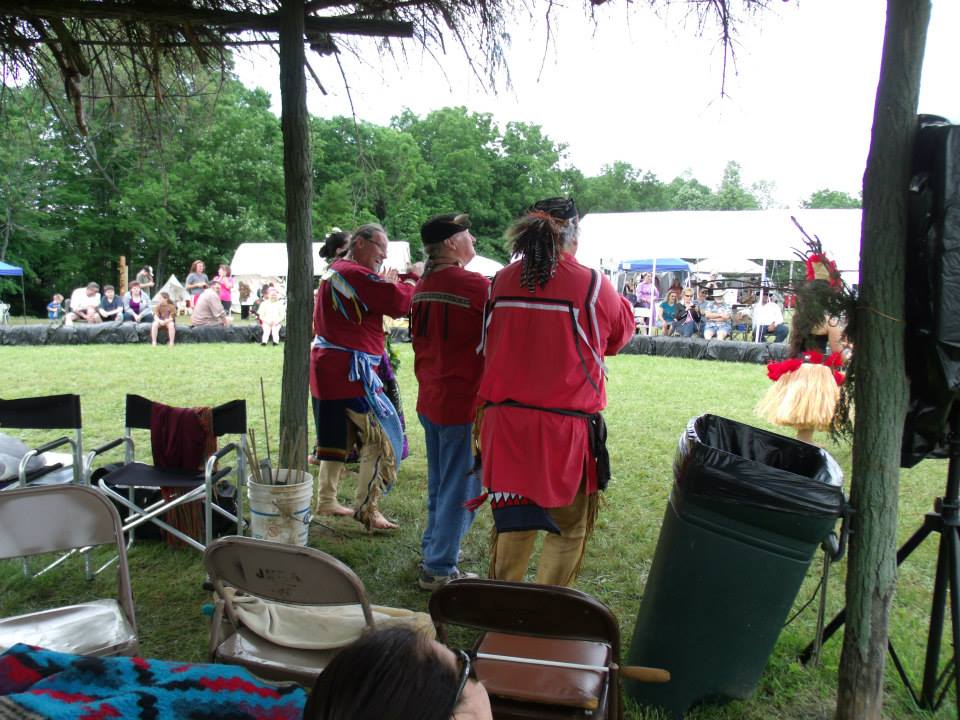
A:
{"points": [[550, 322], [446, 325]]}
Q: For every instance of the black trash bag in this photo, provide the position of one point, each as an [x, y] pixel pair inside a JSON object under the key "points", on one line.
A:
{"points": [[726, 461]]}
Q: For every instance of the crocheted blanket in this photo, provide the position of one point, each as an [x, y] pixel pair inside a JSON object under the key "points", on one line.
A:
{"points": [[37, 683]]}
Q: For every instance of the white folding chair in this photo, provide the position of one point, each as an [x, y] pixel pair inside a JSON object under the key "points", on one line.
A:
{"points": [[59, 518]]}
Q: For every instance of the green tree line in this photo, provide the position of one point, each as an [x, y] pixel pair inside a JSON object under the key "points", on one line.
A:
{"points": [[202, 174]]}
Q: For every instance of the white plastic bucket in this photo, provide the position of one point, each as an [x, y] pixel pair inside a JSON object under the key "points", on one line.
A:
{"points": [[281, 513]]}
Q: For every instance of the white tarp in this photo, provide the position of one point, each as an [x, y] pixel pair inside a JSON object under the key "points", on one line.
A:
{"points": [[270, 259], [606, 239], [484, 265], [173, 288], [729, 266]]}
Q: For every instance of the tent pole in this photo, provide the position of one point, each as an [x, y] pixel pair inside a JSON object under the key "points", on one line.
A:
{"points": [[23, 299], [763, 283]]}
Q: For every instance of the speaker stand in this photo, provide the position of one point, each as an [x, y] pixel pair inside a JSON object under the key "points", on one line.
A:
{"points": [[945, 521]]}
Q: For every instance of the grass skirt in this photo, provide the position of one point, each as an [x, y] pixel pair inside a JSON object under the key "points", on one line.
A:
{"points": [[804, 399]]}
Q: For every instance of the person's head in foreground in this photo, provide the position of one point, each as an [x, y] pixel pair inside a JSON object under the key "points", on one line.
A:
{"points": [[551, 227], [398, 674]]}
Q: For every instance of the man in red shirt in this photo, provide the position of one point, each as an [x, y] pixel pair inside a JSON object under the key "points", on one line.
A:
{"points": [[350, 403], [446, 325], [550, 321]]}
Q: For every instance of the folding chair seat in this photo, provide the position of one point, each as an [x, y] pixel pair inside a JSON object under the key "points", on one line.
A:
{"points": [[284, 576], [56, 519], [192, 485], [544, 652], [51, 412]]}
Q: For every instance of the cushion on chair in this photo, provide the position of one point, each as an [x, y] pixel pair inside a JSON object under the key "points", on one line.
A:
{"points": [[94, 628], [539, 684], [273, 662]]}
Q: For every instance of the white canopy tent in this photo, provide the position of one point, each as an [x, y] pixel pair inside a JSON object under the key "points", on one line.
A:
{"points": [[255, 259], [607, 239], [484, 265], [728, 265], [173, 288]]}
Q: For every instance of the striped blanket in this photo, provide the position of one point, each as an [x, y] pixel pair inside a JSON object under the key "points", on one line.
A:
{"points": [[37, 683]]}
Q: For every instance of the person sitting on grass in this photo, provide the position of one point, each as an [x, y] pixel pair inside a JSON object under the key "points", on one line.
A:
{"points": [[111, 307], [164, 316], [398, 674], [272, 313]]}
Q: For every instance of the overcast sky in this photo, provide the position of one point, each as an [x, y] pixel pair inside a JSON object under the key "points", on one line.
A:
{"points": [[647, 90]]}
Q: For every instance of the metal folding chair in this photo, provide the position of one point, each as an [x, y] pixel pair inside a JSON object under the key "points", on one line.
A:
{"points": [[59, 518], [278, 573], [545, 652], [121, 484], [51, 412]]}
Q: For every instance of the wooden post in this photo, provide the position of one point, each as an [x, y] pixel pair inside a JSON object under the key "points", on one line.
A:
{"points": [[123, 271], [298, 190]]}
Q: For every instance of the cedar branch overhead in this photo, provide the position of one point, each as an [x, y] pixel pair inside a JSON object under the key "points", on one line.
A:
{"points": [[88, 40]]}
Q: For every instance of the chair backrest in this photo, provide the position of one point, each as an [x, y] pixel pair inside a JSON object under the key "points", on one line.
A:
{"points": [[283, 573], [55, 518], [63, 517], [526, 609], [52, 412], [229, 418]]}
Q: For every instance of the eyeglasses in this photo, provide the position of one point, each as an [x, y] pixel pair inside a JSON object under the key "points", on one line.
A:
{"points": [[467, 672]]}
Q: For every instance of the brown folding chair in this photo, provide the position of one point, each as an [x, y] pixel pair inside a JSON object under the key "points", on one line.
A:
{"points": [[278, 573], [546, 652], [56, 519]]}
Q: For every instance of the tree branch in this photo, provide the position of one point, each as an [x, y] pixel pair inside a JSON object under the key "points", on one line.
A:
{"points": [[179, 15]]}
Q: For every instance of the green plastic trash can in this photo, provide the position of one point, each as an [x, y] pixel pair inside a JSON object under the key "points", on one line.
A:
{"points": [[747, 511]]}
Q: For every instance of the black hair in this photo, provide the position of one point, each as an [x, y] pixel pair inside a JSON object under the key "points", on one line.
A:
{"points": [[391, 674], [537, 238], [334, 242]]}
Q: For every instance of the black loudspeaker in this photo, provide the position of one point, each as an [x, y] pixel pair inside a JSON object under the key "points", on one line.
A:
{"points": [[932, 336]]}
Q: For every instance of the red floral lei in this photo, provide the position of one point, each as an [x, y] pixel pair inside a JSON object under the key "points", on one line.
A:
{"points": [[776, 370]]}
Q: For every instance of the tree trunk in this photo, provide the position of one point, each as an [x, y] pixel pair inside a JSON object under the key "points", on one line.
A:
{"points": [[7, 232], [298, 186], [881, 390]]}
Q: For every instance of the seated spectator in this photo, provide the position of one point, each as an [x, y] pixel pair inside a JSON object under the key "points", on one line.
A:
{"points": [[689, 321], [647, 291], [165, 316], [769, 318], [272, 313], [136, 305], [208, 309], [716, 313], [668, 313], [261, 297], [111, 307], [398, 674], [84, 305], [55, 307]]}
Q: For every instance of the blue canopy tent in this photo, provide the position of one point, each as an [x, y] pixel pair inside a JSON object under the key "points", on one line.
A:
{"points": [[655, 265], [7, 270]]}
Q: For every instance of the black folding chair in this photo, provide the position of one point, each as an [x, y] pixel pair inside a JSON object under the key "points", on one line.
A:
{"points": [[120, 484], [51, 412]]}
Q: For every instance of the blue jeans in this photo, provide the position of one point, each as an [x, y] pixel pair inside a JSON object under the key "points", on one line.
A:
{"points": [[449, 486]]}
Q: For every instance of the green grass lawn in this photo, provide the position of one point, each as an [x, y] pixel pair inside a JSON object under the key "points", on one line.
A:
{"points": [[650, 401]]}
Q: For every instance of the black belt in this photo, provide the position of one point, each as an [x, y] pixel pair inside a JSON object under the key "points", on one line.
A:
{"points": [[597, 433]]}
